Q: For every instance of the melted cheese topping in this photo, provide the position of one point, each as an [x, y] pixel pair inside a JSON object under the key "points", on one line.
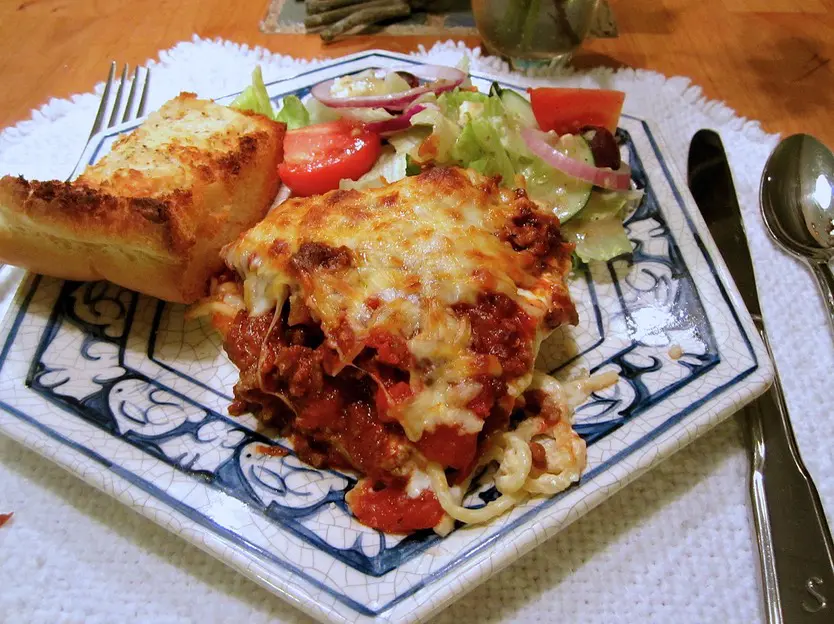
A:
{"points": [[417, 248]]}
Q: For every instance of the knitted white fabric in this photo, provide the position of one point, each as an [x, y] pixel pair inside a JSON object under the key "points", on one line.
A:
{"points": [[676, 545]]}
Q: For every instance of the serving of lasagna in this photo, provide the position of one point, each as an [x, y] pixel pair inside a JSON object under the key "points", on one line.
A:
{"points": [[392, 332]]}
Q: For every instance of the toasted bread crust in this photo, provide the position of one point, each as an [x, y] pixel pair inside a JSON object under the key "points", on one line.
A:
{"points": [[160, 223], [153, 213]]}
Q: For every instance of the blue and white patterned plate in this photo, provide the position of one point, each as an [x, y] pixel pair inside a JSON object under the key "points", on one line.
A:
{"points": [[119, 389]]}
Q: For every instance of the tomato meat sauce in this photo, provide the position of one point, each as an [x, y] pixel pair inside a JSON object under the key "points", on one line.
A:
{"points": [[388, 397], [271, 451], [449, 446], [388, 508], [347, 421]]}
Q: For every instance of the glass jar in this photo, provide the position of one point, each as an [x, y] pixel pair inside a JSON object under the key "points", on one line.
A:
{"points": [[534, 32]]}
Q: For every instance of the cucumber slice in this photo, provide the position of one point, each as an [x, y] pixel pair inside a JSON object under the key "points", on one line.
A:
{"points": [[518, 107], [515, 104], [602, 205], [577, 193]]}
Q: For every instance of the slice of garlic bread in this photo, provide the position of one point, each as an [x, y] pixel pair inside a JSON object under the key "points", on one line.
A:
{"points": [[154, 212]]}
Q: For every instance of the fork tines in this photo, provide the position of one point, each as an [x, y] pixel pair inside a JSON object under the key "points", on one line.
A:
{"points": [[115, 110]]}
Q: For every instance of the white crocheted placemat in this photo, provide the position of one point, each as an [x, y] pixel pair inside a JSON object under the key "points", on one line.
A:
{"points": [[676, 545]]}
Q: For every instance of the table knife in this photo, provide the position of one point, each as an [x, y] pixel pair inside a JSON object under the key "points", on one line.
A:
{"points": [[794, 540]]}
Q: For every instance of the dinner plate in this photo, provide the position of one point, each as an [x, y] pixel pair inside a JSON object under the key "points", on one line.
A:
{"points": [[121, 390]]}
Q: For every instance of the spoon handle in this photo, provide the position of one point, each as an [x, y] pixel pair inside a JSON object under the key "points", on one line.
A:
{"points": [[825, 279]]}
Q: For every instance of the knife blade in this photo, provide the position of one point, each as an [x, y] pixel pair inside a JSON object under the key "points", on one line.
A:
{"points": [[794, 541]]}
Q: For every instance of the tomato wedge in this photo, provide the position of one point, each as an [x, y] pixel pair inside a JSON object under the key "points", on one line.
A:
{"points": [[567, 111], [317, 157]]}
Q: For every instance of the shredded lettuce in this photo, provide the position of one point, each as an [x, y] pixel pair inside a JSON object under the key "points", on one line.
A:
{"points": [[411, 167], [390, 167], [254, 97], [479, 147], [462, 106], [438, 145], [293, 113], [409, 141]]}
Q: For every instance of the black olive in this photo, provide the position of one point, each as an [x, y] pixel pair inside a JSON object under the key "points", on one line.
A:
{"points": [[603, 146]]}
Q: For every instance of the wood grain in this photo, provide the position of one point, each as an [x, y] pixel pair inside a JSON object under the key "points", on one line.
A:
{"points": [[770, 60]]}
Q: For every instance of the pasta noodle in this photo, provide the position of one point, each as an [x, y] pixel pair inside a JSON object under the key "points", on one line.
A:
{"points": [[516, 477], [470, 516]]}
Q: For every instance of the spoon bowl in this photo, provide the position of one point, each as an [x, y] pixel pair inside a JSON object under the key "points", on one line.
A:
{"points": [[797, 201]]}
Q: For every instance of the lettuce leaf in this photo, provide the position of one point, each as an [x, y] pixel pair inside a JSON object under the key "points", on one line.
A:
{"points": [[604, 204], [463, 65], [464, 106], [366, 115], [597, 239], [394, 83], [293, 113], [254, 97], [369, 82], [319, 113]]}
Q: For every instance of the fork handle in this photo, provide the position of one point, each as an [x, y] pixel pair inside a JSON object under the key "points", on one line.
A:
{"points": [[795, 546]]}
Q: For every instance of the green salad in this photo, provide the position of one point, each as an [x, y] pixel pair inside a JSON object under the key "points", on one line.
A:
{"points": [[426, 115]]}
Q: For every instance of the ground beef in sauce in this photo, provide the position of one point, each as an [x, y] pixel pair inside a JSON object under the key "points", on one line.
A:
{"points": [[336, 423], [500, 328], [532, 231], [339, 428], [312, 256], [539, 455]]}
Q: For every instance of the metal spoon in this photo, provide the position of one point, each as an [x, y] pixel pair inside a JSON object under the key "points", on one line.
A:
{"points": [[797, 198]]}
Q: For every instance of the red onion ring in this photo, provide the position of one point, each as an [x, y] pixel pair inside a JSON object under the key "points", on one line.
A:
{"points": [[445, 79], [389, 126], [619, 180]]}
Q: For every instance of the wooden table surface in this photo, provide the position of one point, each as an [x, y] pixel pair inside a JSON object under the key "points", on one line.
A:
{"points": [[767, 59]]}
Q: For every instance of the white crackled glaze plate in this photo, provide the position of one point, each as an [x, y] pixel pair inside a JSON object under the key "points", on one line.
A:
{"points": [[120, 390]]}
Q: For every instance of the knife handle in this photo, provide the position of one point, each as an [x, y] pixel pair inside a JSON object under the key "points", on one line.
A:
{"points": [[795, 546]]}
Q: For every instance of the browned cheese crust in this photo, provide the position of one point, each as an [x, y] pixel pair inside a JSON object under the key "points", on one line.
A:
{"points": [[152, 214]]}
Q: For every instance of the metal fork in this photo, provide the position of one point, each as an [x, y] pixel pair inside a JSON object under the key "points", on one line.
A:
{"points": [[115, 107]]}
